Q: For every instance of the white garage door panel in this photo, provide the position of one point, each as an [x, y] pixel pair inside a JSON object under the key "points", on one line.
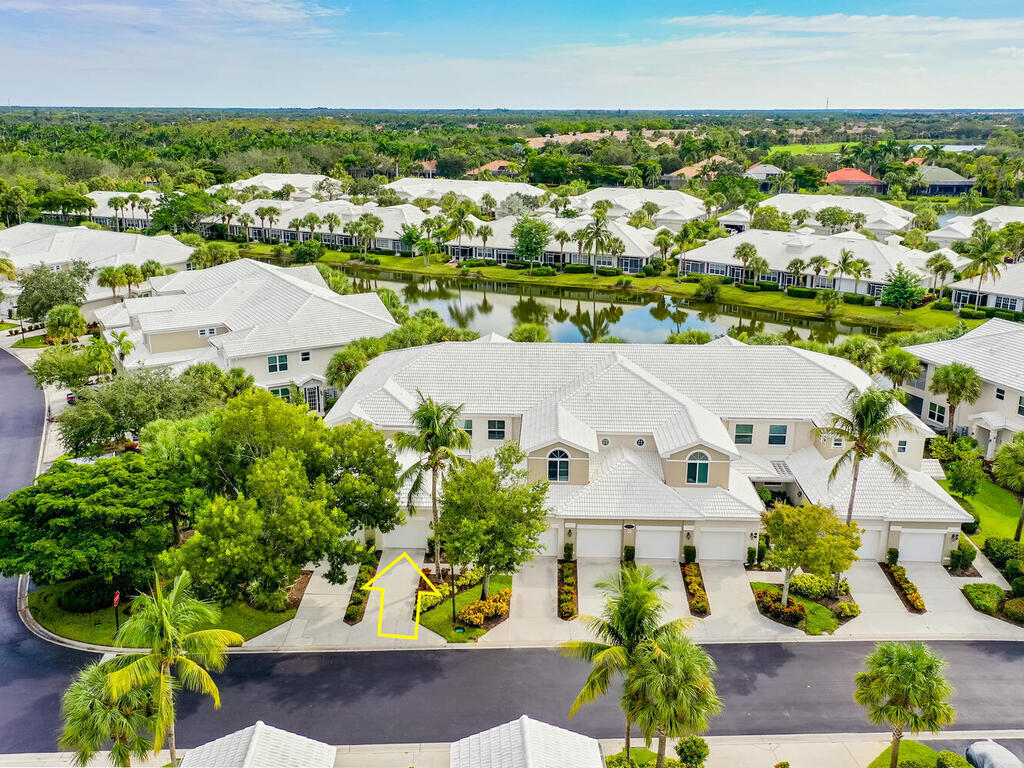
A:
{"points": [[921, 546], [869, 543], [660, 543], [412, 535], [599, 541], [549, 543], [721, 545]]}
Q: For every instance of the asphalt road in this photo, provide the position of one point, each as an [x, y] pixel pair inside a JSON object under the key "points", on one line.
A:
{"points": [[397, 696]]}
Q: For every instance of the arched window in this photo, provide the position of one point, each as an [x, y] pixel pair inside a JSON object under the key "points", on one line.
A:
{"points": [[558, 466], [697, 468]]}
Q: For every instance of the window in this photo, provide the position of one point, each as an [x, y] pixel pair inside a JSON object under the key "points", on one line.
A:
{"points": [[277, 363], [496, 429], [304, 357], [467, 426], [1005, 302], [190, 267], [901, 446], [777, 434], [284, 393], [1000, 393], [558, 466], [716, 269], [207, 331], [1020, 406], [937, 412], [697, 468], [744, 434], [919, 382]]}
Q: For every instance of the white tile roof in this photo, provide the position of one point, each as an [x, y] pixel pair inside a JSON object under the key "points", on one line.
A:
{"points": [[526, 743], [995, 349], [881, 215], [1009, 283], [917, 497], [626, 200], [261, 746], [103, 209], [411, 188], [31, 244], [304, 183], [961, 227]]}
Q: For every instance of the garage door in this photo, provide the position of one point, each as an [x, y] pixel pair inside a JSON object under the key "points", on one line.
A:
{"points": [[412, 535], [657, 542], [549, 543], [870, 540], [921, 546], [599, 541], [721, 545]]}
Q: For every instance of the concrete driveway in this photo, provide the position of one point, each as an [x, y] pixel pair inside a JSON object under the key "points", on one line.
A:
{"points": [[734, 614], [532, 620]]}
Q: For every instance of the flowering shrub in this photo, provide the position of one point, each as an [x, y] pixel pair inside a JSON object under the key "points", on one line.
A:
{"points": [[847, 610], [699, 603], [815, 587], [467, 579], [770, 603], [567, 592], [477, 612], [1014, 609], [985, 597], [899, 575]]}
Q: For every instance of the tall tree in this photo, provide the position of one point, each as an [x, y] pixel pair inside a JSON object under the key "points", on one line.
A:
{"points": [[986, 252], [65, 323], [179, 656], [437, 437], [1009, 471], [960, 384], [899, 366], [903, 686]]}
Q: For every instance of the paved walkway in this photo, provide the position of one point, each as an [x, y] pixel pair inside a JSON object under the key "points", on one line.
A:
{"points": [[733, 612]]}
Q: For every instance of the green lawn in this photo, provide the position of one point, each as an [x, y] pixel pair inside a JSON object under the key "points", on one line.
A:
{"points": [[439, 619], [998, 508], [7, 326], [922, 318], [820, 620], [97, 627], [639, 755], [909, 750], [805, 149], [31, 342]]}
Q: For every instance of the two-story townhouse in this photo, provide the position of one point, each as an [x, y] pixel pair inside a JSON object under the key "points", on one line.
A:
{"points": [[280, 325], [659, 447], [995, 349]]}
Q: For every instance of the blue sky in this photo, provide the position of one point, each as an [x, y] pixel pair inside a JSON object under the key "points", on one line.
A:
{"points": [[632, 54]]}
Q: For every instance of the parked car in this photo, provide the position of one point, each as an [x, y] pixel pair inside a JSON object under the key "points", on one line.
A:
{"points": [[988, 754], [71, 398]]}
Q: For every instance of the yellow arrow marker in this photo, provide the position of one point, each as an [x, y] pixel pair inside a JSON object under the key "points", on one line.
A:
{"points": [[419, 597]]}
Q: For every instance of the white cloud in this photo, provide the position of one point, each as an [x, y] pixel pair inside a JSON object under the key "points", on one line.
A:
{"points": [[1012, 51]]}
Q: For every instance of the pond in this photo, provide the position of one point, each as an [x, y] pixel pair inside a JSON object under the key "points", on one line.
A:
{"points": [[580, 314]]}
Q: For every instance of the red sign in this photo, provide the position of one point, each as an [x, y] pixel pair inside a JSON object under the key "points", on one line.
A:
{"points": [[117, 598]]}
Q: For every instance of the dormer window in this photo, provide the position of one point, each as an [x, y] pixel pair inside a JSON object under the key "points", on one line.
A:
{"points": [[697, 468], [558, 466]]}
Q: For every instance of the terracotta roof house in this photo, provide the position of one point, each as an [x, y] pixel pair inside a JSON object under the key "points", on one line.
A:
{"points": [[914, 161], [851, 178], [679, 177], [497, 167], [428, 169]]}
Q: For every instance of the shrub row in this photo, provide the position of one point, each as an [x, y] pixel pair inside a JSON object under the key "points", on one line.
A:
{"points": [[748, 287], [815, 587], [357, 601], [769, 602], [970, 314], [962, 558], [577, 269], [479, 611], [899, 574], [943, 306], [462, 581], [1001, 551], [801, 293], [699, 603], [567, 592], [609, 271], [767, 285], [543, 271]]}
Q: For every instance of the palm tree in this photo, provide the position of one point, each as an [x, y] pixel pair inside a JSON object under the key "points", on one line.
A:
{"points": [[245, 220], [743, 253], [437, 437], [296, 224], [842, 266], [663, 241], [750, 205], [940, 267], [132, 276], [178, 656], [311, 221], [122, 344], [818, 264], [899, 366], [987, 255], [117, 204], [669, 690], [561, 237], [152, 268], [800, 216], [634, 178], [597, 238], [866, 429], [903, 687], [460, 223], [7, 269], [1009, 471], [147, 205], [758, 267], [112, 278], [859, 270], [796, 268], [968, 202], [93, 719], [100, 354], [65, 323], [632, 613], [960, 384]]}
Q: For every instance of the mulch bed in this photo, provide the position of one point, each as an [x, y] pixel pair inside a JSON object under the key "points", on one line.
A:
{"points": [[358, 592], [568, 568], [998, 614], [828, 602], [690, 597], [762, 568], [899, 589], [971, 572], [298, 589]]}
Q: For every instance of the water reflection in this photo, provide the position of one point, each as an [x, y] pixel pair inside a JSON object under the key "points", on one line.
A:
{"points": [[581, 314]]}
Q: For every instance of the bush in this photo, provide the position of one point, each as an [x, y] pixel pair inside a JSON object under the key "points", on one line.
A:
{"points": [[767, 285], [692, 751], [1017, 586], [748, 287], [962, 558], [1001, 551], [577, 269], [609, 271], [479, 611], [694, 582], [751, 555], [567, 552], [764, 494], [1014, 609], [1014, 569], [847, 610], [970, 314], [810, 586], [945, 305], [629, 554], [974, 525], [985, 597], [770, 603], [689, 554], [543, 271], [517, 265], [947, 759], [369, 259], [899, 574], [851, 298], [87, 595], [801, 293], [892, 556]]}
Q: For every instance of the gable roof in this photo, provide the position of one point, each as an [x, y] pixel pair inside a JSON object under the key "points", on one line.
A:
{"points": [[261, 746], [526, 743], [850, 175], [936, 174], [995, 349]]}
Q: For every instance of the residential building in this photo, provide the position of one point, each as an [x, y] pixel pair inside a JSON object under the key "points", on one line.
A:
{"points": [[763, 173], [852, 178], [638, 244], [961, 227], [779, 249], [56, 246], [261, 746], [410, 189], [128, 217], [660, 447], [882, 218], [942, 181], [427, 168], [526, 743], [282, 325], [495, 168], [306, 185], [1005, 292], [680, 176], [627, 200], [995, 349]]}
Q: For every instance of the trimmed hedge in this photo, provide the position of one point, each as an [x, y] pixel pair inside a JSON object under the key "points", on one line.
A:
{"points": [[767, 285], [970, 314], [1014, 609], [947, 759], [609, 271], [985, 597], [577, 269], [943, 306], [1001, 551], [543, 271], [748, 287], [801, 293], [962, 558]]}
